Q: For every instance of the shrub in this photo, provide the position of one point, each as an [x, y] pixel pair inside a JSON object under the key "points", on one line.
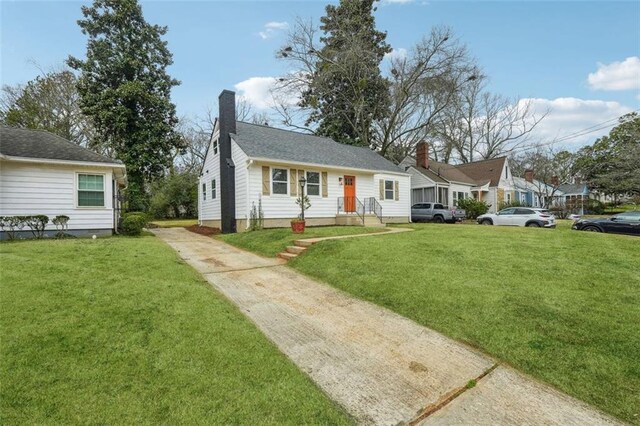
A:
{"points": [[60, 222], [11, 225], [176, 195], [144, 216], [37, 224], [516, 203], [473, 207], [132, 224], [256, 217]]}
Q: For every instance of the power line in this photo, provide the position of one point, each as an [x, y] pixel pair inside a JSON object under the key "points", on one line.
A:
{"points": [[587, 130]]}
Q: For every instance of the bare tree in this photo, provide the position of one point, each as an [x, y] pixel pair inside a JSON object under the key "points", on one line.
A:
{"points": [[482, 125], [423, 84]]}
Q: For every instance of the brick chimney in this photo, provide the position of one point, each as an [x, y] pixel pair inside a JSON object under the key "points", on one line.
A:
{"points": [[528, 175], [422, 154], [227, 125], [555, 181]]}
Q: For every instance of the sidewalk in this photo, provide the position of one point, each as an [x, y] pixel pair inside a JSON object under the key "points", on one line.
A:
{"points": [[381, 367]]}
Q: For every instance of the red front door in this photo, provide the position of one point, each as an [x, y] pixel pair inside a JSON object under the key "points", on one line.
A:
{"points": [[349, 194]]}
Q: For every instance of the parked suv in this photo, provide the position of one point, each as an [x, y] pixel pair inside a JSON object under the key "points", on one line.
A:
{"points": [[435, 212], [520, 216]]}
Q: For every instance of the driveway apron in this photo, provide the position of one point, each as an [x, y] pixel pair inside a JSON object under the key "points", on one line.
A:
{"points": [[381, 367]]}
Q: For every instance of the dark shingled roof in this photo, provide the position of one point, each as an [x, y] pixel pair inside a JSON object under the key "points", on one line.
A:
{"points": [[483, 171], [259, 141], [41, 144]]}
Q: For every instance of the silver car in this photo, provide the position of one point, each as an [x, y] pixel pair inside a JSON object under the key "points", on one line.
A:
{"points": [[520, 216]]}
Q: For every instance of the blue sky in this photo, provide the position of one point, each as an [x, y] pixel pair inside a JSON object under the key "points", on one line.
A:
{"points": [[579, 59]]}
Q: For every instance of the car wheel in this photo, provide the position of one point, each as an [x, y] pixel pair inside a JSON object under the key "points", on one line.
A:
{"points": [[533, 225], [486, 222], [592, 229], [438, 219]]}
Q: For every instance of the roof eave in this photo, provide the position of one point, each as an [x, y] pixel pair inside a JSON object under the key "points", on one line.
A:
{"points": [[58, 161], [325, 166]]}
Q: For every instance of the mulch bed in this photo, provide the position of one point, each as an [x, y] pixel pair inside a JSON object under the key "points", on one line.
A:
{"points": [[203, 230]]}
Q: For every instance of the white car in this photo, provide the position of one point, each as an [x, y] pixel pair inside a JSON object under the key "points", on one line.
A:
{"points": [[520, 216]]}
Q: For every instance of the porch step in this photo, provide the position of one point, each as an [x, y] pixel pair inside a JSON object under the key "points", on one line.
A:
{"points": [[287, 256], [295, 249], [302, 243]]}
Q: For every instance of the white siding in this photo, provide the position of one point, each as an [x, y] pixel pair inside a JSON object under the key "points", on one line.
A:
{"points": [[457, 187], [284, 206], [241, 160], [209, 209], [393, 208], [30, 189], [418, 180]]}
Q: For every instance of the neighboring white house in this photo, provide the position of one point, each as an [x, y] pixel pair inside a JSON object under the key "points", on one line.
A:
{"points": [[255, 165], [431, 181], [42, 173]]}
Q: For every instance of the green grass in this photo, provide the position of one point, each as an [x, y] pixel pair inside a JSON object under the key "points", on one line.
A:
{"points": [[269, 242], [121, 331], [561, 305], [174, 223]]}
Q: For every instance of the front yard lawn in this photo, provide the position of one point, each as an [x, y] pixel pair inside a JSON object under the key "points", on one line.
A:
{"points": [[121, 331], [269, 242], [561, 305], [174, 223]]}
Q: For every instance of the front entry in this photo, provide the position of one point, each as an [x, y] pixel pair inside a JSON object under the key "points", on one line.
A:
{"points": [[349, 194]]}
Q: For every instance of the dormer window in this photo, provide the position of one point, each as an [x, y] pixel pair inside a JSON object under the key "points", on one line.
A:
{"points": [[215, 147]]}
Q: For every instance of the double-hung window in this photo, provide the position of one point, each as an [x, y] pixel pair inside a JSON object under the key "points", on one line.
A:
{"points": [[215, 147], [388, 190], [213, 189], [90, 190], [279, 181], [313, 183], [204, 190]]}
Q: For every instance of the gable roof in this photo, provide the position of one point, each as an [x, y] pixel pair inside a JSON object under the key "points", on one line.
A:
{"points": [[40, 144], [478, 176], [485, 170], [258, 141]]}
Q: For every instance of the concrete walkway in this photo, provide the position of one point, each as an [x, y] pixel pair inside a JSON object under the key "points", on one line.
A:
{"points": [[381, 367]]}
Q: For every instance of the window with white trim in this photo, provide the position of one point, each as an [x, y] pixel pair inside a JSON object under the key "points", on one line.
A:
{"points": [[215, 146], [313, 183], [388, 190], [213, 189], [90, 190], [204, 190], [279, 181]]}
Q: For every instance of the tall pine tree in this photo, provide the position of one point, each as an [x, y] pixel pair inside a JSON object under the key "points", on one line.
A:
{"points": [[125, 90], [347, 91]]}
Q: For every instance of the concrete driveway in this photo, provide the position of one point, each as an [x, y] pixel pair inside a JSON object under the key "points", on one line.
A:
{"points": [[381, 367]]}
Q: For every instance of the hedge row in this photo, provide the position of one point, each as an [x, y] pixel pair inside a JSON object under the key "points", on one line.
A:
{"points": [[36, 224]]}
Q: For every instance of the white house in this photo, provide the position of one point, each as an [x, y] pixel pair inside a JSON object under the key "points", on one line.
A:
{"points": [[44, 174], [431, 181], [247, 165]]}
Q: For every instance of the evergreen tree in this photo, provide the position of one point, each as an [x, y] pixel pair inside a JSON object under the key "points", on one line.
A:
{"points": [[125, 90], [611, 164], [347, 92]]}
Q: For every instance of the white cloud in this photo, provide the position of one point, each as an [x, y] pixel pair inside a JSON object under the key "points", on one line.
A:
{"points": [[568, 116], [271, 29], [258, 92], [623, 75], [399, 53]]}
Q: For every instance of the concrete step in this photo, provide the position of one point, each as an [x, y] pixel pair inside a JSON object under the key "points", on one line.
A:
{"points": [[303, 243], [295, 249], [287, 256]]}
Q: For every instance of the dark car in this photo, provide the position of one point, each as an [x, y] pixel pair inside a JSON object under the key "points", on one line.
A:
{"points": [[622, 223]]}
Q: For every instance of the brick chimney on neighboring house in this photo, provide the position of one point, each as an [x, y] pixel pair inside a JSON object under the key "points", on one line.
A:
{"points": [[528, 175], [227, 125], [422, 154], [577, 180], [555, 181]]}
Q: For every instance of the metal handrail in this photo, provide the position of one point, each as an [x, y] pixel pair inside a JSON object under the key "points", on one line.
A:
{"points": [[353, 205], [373, 206]]}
